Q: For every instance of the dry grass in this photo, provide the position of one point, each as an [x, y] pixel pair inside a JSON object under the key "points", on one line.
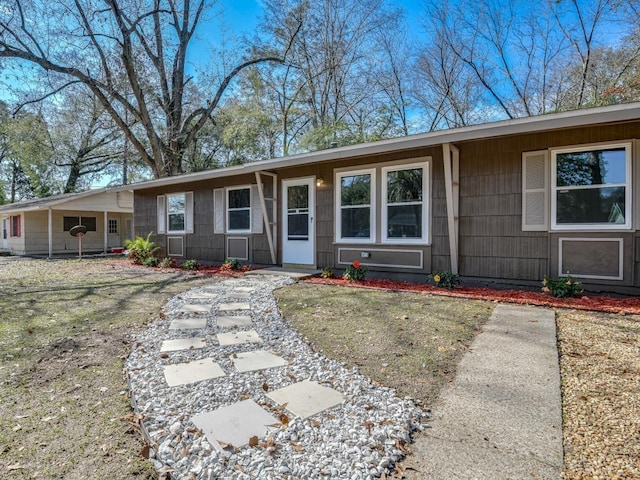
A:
{"points": [[66, 328], [600, 368], [408, 341]]}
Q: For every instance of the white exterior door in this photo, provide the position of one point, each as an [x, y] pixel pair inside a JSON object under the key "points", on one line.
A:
{"points": [[5, 233], [298, 234]]}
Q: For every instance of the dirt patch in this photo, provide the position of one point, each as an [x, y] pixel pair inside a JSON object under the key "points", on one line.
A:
{"points": [[66, 329], [408, 341]]}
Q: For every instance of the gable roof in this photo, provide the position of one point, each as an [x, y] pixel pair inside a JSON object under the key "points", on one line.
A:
{"points": [[54, 200]]}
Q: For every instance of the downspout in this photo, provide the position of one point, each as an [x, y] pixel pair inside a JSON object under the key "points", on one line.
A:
{"points": [[451, 161]]}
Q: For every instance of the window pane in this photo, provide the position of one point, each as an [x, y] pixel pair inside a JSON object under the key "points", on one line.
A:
{"points": [[90, 223], [298, 226], [356, 190], [175, 203], [404, 186], [240, 198], [239, 220], [591, 205], [355, 222], [597, 167], [176, 222], [404, 221], [70, 222], [298, 197]]}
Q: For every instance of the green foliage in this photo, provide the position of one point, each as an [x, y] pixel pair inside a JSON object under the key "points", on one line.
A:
{"points": [[190, 264], [565, 287], [231, 264], [355, 272], [446, 280], [168, 262], [150, 262], [327, 272], [141, 249]]}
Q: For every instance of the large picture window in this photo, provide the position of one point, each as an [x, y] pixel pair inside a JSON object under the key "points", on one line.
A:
{"points": [[176, 206], [355, 195], [239, 209], [591, 187], [403, 209]]}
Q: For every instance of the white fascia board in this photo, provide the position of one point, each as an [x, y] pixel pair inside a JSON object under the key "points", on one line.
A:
{"points": [[553, 121]]}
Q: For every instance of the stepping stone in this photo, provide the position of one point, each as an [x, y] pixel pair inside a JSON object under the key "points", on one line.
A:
{"points": [[201, 296], [238, 296], [306, 398], [258, 360], [234, 424], [237, 321], [246, 289], [182, 344], [195, 308], [188, 324], [230, 307], [237, 338], [192, 372]]}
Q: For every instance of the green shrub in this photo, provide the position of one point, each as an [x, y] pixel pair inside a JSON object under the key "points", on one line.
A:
{"points": [[565, 287], [327, 273], [141, 249], [168, 262], [190, 265], [355, 272], [446, 280], [150, 262], [231, 264]]}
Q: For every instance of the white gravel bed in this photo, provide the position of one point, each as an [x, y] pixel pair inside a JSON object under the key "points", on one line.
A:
{"points": [[360, 439]]}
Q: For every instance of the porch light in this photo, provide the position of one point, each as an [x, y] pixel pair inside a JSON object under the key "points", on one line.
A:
{"points": [[319, 182]]}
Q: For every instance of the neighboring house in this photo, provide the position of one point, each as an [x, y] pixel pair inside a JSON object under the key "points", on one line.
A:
{"points": [[41, 226], [508, 202]]}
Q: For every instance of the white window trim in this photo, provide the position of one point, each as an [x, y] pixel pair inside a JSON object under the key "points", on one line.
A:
{"points": [[227, 209], [424, 239], [372, 205], [628, 194], [184, 212]]}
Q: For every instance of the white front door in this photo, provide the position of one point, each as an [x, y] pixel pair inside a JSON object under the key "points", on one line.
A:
{"points": [[298, 212], [5, 233]]}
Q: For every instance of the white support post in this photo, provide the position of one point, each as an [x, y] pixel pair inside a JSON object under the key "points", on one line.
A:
{"points": [[451, 161], [106, 232], [50, 232], [265, 217]]}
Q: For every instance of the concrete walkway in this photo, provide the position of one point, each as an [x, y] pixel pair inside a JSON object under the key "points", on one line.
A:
{"points": [[501, 416]]}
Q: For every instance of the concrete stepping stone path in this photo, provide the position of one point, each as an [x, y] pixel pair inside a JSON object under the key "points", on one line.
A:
{"points": [[192, 372], [257, 360], [238, 338], [307, 398], [231, 307], [194, 297], [195, 308], [235, 321], [234, 424], [182, 344], [188, 324]]}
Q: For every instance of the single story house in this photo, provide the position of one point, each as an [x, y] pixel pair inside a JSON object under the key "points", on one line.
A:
{"points": [[41, 226], [509, 202]]}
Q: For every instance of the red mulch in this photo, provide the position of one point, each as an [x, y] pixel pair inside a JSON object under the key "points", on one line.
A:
{"points": [[619, 305]]}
